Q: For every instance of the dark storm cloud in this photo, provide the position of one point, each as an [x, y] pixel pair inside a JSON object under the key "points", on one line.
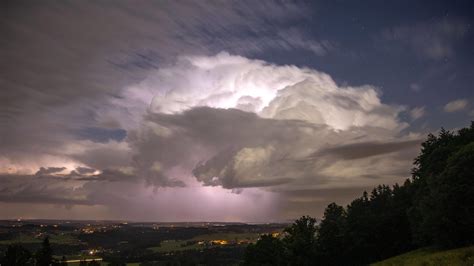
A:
{"points": [[368, 149], [49, 170], [79, 187], [151, 178], [85, 170], [46, 189], [316, 200], [223, 134], [215, 126], [67, 190], [28, 196], [226, 175], [317, 194], [236, 149], [103, 155], [98, 134]]}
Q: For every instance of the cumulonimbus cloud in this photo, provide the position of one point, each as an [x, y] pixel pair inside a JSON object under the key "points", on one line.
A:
{"points": [[225, 121], [237, 122]]}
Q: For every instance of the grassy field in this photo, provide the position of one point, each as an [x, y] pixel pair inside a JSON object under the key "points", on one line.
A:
{"points": [[430, 257], [179, 245], [174, 245], [61, 239], [228, 236], [22, 238]]}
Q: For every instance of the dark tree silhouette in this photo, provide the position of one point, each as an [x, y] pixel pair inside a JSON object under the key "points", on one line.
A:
{"points": [[452, 194], [267, 251], [44, 256], [331, 236], [300, 241], [443, 178], [17, 255]]}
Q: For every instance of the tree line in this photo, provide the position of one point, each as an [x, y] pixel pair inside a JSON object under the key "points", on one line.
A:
{"points": [[17, 255], [435, 207]]}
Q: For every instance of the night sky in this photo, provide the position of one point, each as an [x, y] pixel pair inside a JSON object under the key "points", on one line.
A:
{"points": [[250, 111]]}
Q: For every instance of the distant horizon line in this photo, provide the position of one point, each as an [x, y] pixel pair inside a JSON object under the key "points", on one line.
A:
{"points": [[136, 221]]}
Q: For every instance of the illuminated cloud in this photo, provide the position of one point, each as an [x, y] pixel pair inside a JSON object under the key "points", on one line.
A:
{"points": [[417, 113], [271, 91], [236, 123], [456, 106]]}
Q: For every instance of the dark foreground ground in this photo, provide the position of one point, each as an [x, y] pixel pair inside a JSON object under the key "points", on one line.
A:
{"points": [[138, 243]]}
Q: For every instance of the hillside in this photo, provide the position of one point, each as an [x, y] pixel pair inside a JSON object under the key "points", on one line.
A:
{"points": [[428, 257]]}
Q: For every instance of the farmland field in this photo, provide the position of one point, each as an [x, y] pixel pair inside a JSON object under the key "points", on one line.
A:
{"points": [[203, 241]]}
